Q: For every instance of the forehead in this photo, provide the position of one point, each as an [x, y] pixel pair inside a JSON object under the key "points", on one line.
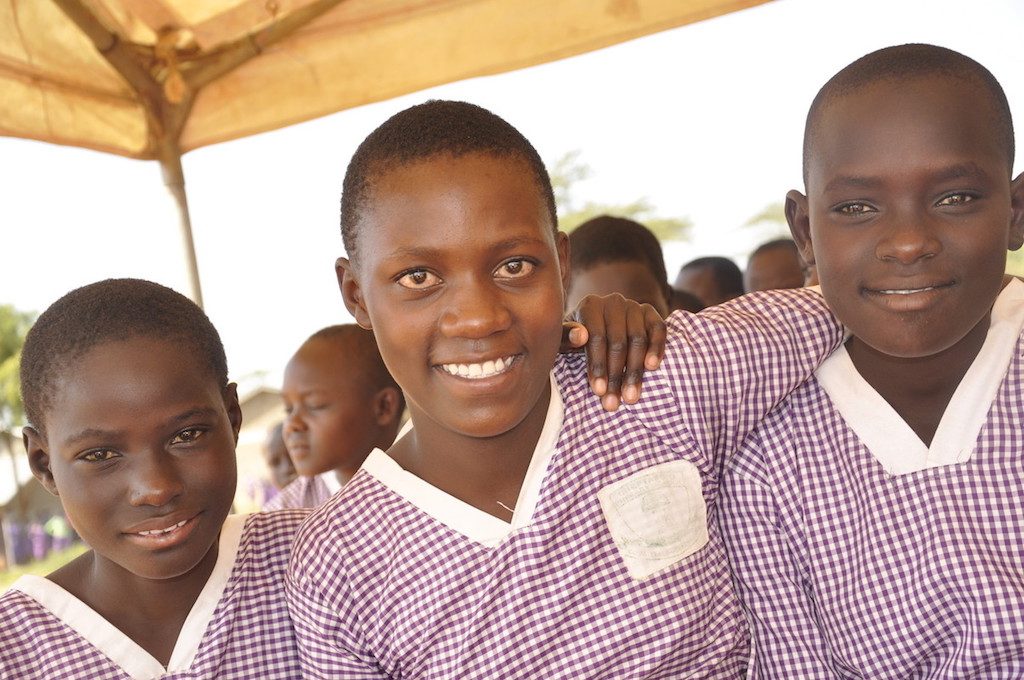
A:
{"points": [[893, 126], [420, 204], [126, 380], [323, 361]]}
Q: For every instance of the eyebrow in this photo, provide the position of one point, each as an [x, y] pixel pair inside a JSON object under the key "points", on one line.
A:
{"points": [[424, 252], [854, 181], [951, 172], [97, 433], [961, 170]]}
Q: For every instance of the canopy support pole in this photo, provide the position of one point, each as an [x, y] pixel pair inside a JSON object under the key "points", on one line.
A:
{"points": [[174, 180]]}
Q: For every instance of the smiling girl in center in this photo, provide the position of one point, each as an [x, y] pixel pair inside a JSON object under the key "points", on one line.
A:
{"points": [[520, 530]]}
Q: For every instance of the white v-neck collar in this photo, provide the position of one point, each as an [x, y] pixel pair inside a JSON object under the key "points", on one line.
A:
{"points": [[888, 437], [472, 522], [121, 649], [330, 480]]}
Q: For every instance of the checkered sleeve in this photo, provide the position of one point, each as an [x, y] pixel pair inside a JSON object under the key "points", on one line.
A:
{"points": [[326, 627], [787, 641], [727, 367]]}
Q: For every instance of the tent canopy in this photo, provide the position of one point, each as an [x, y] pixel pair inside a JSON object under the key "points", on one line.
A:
{"points": [[152, 79], [120, 75]]}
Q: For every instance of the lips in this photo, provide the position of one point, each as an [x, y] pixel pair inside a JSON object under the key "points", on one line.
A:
{"points": [[479, 370], [905, 289], [163, 532], [297, 448], [908, 297]]}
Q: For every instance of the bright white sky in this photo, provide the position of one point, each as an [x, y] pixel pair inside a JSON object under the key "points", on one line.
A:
{"points": [[705, 121]]}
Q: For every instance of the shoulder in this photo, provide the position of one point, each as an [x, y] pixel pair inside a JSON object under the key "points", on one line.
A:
{"points": [[267, 536], [290, 496], [362, 506], [16, 606], [753, 312]]}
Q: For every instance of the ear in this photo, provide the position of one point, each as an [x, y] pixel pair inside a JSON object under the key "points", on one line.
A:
{"points": [[38, 458], [1016, 213], [800, 224], [233, 408], [387, 406], [351, 292], [562, 249]]}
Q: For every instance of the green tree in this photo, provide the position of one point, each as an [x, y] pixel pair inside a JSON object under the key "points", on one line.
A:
{"points": [[13, 327], [569, 170]]}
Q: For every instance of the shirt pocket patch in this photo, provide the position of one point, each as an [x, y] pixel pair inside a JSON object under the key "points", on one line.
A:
{"points": [[656, 516]]}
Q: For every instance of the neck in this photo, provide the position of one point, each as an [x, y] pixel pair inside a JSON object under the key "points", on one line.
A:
{"points": [[150, 612], [485, 472], [919, 389]]}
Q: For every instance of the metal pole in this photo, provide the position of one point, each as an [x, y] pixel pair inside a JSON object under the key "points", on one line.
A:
{"points": [[174, 179]]}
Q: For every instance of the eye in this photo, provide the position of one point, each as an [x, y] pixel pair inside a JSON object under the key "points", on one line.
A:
{"points": [[515, 269], [959, 198], [188, 436], [418, 279], [98, 455], [854, 208]]}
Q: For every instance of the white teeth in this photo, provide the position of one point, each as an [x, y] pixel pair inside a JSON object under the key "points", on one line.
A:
{"points": [[477, 371], [169, 529], [910, 291]]}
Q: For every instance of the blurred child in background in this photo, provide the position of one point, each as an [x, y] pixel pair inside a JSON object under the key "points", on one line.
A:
{"points": [[341, 403]]}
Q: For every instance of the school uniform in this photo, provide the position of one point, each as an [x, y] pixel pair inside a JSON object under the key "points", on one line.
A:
{"points": [[611, 566], [305, 492], [237, 629], [859, 552]]}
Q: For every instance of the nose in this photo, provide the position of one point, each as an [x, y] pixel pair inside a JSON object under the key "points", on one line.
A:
{"points": [[156, 480], [293, 421], [476, 309], [908, 239]]}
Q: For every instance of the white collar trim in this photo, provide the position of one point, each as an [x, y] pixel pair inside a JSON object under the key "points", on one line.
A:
{"points": [[330, 480], [136, 662], [461, 516], [888, 437]]}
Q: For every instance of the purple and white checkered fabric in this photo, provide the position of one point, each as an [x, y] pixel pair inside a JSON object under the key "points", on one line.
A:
{"points": [[249, 636], [301, 492], [846, 571], [377, 588]]}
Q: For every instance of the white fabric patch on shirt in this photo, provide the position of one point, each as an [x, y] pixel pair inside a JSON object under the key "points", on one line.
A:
{"points": [[656, 516]]}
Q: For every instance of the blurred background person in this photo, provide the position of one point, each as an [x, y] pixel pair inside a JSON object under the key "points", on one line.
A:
{"points": [[775, 264], [713, 280], [616, 255]]}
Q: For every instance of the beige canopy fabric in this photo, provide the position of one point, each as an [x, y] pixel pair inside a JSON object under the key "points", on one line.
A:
{"points": [[152, 79], [57, 87]]}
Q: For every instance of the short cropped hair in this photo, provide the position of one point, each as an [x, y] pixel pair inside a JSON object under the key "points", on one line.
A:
{"points": [[437, 127], [784, 243], [108, 311], [616, 239], [364, 351], [906, 62], [726, 273]]}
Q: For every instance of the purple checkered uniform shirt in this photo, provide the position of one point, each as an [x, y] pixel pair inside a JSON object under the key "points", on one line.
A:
{"points": [[379, 588], [846, 570], [249, 636], [301, 492]]}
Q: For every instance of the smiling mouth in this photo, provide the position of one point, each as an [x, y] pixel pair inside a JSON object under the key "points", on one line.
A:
{"points": [[908, 291], [165, 537], [159, 532], [487, 369]]}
